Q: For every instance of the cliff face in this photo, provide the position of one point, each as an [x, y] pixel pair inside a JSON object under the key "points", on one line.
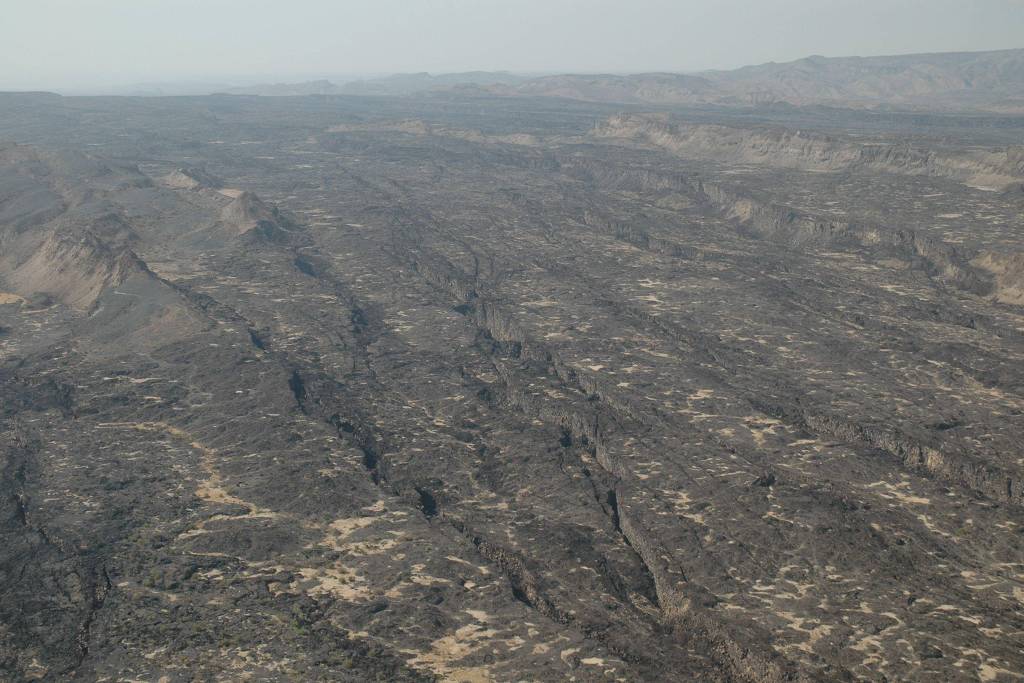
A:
{"points": [[190, 178], [73, 269], [1008, 271], [814, 152], [60, 237], [999, 274], [71, 231]]}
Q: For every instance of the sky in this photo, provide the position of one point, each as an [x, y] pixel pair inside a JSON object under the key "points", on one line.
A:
{"points": [[83, 44]]}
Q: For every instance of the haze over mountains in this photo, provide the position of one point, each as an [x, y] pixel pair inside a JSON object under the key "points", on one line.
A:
{"points": [[395, 84], [983, 81]]}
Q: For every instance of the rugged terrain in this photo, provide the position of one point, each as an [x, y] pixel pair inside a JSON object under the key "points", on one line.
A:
{"points": [[475, 388], [948, 81]]}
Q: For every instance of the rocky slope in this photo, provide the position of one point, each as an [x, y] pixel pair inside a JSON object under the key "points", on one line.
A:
{"points": [[1008, 270], [809, 151], [191, 179]]}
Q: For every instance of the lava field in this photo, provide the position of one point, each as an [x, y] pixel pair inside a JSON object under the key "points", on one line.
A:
{"points": [[478, 388]]}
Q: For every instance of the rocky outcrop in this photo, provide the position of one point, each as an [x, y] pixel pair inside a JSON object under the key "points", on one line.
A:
{"points": [[250, 216], [74, 268], [192, 179], [1008, 271], [779, 222], [782, 148]]}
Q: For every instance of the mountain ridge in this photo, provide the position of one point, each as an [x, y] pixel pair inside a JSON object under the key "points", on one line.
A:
{"points": [[990, 81]]}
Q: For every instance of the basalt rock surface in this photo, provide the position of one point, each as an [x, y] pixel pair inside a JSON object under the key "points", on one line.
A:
{"points": [[454, 389]]}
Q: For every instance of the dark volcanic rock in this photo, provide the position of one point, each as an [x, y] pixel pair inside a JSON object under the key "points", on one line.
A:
{"points": [[456, 389]]}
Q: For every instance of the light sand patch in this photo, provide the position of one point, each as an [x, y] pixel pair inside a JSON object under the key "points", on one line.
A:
{"points": [[451, 649], [344, 527], [988, 672], [760, 428], [928, 524], [898, 492], [338, 581], [872, 647], [813, 634], [374, 547], [8, 298], [419, 577], [682, 503], [893, 263], [546, 302], [476, 674], [210, 488]]}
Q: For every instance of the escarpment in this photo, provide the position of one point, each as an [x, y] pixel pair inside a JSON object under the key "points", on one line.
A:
{"points": [[192, 179], [74, 269], [809, 151], [1008, 272], [789, 225]]}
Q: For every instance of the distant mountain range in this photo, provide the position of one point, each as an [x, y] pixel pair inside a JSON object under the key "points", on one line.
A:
{"points": [[320, 87], [397, 84], [984, 81], [952, 79]]}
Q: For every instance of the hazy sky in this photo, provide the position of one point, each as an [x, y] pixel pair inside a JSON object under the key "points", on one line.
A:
{"points": [[68, 43]]}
